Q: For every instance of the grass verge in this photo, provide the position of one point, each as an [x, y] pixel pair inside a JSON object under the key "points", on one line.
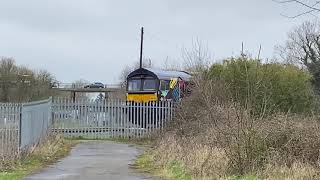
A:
{"points": [[174, 170], [49, 152]]}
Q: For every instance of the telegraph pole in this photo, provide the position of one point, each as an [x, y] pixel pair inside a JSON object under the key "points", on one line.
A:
{"points": [[141, 47]]}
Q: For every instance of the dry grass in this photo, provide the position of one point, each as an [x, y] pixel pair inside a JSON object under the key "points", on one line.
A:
{"points": [[9, 146], [220, 138], [270, 157], [297, 171], [54, 148], [200, 160]]}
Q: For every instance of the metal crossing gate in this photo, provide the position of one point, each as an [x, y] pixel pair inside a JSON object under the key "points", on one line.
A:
{"points": [[109, 118]]}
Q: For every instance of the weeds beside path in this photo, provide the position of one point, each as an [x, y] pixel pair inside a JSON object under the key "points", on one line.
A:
{"points": [[55, 148], [174, 170]]}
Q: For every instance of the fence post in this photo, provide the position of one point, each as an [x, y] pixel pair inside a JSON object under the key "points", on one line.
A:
{"points": [[52, 106], [20, 124]]}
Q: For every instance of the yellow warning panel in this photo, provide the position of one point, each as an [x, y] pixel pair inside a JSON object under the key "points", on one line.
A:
{"points": [[142, 97], [173, 82]]}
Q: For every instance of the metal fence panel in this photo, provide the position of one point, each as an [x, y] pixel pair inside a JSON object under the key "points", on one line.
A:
{"points": [[35, 123], [109, 118], [9, 130]]}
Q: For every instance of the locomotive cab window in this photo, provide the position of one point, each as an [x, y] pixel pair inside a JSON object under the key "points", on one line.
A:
{"points": [[164, 85], [149, 84], [134, 85]]}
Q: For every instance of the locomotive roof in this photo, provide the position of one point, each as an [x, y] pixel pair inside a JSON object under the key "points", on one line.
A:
{"points": [[160, 74]]}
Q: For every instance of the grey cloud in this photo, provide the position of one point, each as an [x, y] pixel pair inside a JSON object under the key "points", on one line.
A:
{"points": [[95, 39]]}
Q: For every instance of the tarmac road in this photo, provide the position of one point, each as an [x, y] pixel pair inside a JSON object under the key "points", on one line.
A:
{"points": [[94, 160]]}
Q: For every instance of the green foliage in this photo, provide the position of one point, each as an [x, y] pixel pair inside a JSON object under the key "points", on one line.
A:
{"points": [[174, 170], [11, 175], [146, 163], [271, 86], [177, 171]]}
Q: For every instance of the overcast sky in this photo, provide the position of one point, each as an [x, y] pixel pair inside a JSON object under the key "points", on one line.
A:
{"points": [[96, 39]]}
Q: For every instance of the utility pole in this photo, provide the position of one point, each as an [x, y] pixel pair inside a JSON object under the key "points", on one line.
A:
{"points": [[242, 54], [141, 47]]}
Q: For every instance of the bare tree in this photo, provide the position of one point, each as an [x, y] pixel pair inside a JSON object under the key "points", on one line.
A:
{"points": [[7, 76], [26, 86], [170, 64], [21, 84], [310, 6], [197, 58], [303, 47], [44, 77]]}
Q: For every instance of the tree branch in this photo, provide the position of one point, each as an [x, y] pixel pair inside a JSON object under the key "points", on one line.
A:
{"points": [[312, 8], [298, 15]]}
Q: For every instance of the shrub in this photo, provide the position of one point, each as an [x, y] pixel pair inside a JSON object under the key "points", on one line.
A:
{"points": [[259, 86], [214, 135]]}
